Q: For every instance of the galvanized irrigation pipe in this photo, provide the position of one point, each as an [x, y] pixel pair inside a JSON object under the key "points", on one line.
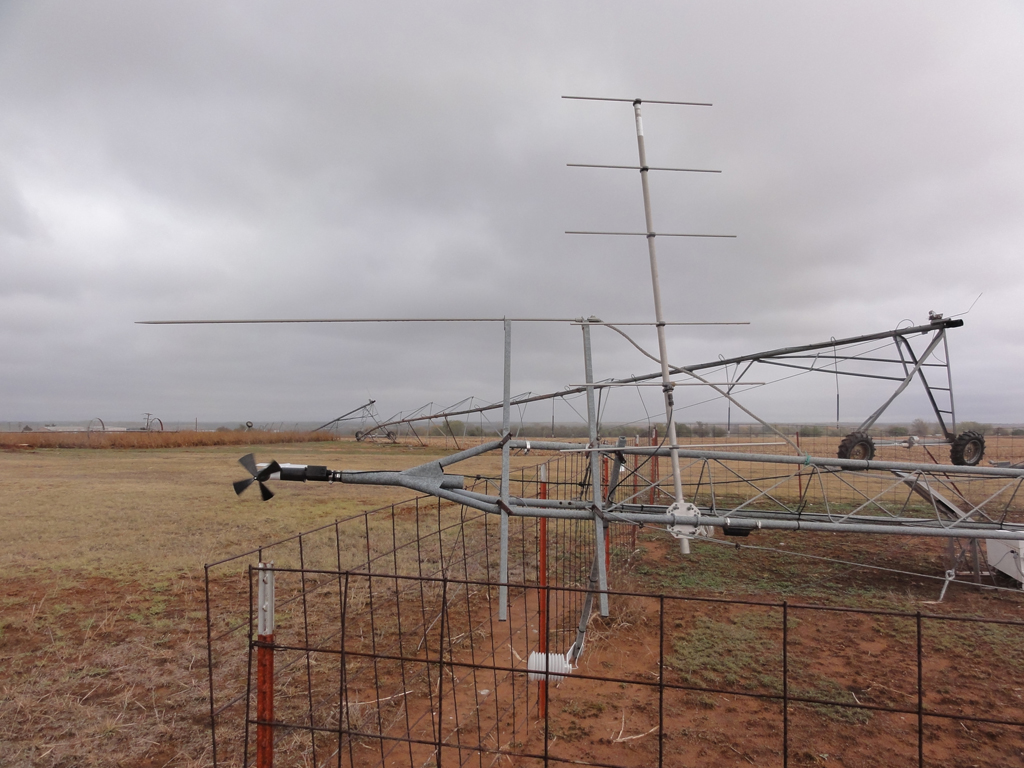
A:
{"points": [[777, 458], [644, 514], [784, 525]]}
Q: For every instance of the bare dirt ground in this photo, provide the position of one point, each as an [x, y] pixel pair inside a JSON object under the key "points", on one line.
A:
{"points": [[102, 614], [102, 624], [968, 670], [100, 671]]}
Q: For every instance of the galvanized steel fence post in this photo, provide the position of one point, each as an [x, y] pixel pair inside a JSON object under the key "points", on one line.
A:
{"points": [[265, 667], [542, 579]]}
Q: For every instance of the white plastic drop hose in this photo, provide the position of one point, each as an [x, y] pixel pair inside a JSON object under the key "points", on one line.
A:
{"points": [[558, 666]]}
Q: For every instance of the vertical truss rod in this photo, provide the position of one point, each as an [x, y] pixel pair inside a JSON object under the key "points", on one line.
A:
{"points": [[900, 340], [506, 414], [949, 384]]}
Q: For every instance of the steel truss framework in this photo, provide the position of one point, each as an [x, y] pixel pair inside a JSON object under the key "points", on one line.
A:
{"points": [[893, 359], [738, 493], [746, 491], [389, 652], [733, 491]]}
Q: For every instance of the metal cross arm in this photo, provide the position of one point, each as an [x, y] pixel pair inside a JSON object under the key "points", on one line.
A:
{"points": [[407, 478], [638, 168], [426, 478], [648, 235]]}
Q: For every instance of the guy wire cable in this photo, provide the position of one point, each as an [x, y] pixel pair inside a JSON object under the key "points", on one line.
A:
{"points": [[774, 550]]}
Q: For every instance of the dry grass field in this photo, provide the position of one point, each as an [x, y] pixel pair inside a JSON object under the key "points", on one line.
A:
{"points": [[102, 616], [102, 623], [185, 438]]}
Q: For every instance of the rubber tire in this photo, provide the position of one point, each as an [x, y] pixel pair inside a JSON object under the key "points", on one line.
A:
{"points": [[359, 436], [968, 449], [857, 445]]}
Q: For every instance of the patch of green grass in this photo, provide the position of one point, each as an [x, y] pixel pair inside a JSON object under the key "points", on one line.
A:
{"points": [[727, 570], [157, 606], [88, 672], [718, 568], [706, 702], [744, 650], [977, 641], [830, 690], [583, 709], [573, 731], [894, 628], [56, 610], [707, 570]]}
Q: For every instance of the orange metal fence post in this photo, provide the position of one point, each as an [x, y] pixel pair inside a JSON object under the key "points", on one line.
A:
{"points": [[265, 668]]}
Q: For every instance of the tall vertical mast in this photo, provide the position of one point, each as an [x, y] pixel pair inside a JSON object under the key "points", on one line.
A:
{"points": [[666, 380]]}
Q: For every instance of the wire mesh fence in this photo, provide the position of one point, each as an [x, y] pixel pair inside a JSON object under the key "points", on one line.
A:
{"points": [[388, 651], [417, 671], [377, 571]]}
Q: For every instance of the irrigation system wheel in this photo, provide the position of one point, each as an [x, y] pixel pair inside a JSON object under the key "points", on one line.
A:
{"points": [[857, 445], [967, 449]]}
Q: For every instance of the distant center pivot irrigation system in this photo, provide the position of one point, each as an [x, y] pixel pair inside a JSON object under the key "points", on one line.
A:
{"points": [[606, 488]]}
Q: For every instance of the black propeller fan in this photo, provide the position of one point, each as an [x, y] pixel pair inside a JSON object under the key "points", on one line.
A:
{"points": [[258, 476]]}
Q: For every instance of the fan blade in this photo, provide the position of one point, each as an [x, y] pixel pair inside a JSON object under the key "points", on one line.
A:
{"points": [[267, 471], [249, 462], [266, 492], [241, 485]]}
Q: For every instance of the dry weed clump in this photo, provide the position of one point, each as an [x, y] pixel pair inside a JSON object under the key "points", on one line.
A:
{"points": [[154, 439]]}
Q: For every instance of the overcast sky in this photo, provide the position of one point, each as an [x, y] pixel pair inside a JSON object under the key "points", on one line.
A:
{"points": [[206, 160]]}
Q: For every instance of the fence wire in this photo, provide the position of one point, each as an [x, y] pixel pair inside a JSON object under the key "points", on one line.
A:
{"points": [[388, 652]]}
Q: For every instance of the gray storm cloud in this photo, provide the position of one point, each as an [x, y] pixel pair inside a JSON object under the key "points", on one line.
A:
{"points": [[216, 160]]}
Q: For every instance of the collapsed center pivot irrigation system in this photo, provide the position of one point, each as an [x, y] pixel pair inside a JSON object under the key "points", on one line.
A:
{"points": [[888, 356], [737, 493], [890, 497], [883, 356]]}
